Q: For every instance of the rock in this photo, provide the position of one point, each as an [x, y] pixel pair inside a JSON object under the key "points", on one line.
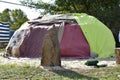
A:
{"points": [[50, 49], [91, 62], [15, 51]]}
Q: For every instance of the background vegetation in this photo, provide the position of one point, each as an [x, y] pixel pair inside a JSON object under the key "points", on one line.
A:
{"points": [[108, 11], [14, 17]]}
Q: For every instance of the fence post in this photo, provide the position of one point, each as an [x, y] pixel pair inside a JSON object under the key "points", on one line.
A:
{"points": [[117, 55]]}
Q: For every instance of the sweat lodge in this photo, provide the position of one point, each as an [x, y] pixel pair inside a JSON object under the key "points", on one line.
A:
{"points": [[73, 35]]}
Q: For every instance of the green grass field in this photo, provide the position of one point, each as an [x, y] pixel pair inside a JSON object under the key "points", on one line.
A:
{"points": [[26, 72]]}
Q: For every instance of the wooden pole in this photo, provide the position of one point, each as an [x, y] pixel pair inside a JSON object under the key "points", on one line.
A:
{"points": [[117, 55]]}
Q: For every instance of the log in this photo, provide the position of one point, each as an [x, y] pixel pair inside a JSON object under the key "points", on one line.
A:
{"points": [[117, 55], [50, 49]]}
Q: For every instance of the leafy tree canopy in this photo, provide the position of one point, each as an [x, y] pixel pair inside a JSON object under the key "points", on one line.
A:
{"points": [[108, 11], [15, 17]]}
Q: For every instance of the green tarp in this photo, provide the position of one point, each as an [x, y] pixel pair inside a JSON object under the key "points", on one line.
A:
{"points": [[99, 37]]}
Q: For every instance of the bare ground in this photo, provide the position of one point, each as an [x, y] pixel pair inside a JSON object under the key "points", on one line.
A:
{"points": [[67, 63]]}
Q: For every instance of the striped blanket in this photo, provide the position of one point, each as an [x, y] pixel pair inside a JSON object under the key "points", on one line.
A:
{"points": [[4, 32]]}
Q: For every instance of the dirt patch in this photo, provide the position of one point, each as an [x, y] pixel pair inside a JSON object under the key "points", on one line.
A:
{"points": [[66, 63]]}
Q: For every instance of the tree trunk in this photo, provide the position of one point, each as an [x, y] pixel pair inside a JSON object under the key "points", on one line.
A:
{"points": [[117, 54], [50, 49]]}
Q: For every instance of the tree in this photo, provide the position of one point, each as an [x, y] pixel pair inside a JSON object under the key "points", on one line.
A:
{"points": [[105, 10], [15, 18]]}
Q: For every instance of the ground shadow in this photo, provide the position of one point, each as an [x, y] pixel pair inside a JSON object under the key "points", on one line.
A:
{"points": [[73, 74], [106, 59]]}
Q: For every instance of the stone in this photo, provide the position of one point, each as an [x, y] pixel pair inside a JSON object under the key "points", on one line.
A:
{"points": [[50, 49]]}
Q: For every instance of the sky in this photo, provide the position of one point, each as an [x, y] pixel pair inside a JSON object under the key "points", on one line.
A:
{"points": [[31, 13]]}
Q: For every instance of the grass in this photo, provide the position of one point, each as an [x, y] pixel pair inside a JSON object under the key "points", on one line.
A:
{"points": [[26, 72]]}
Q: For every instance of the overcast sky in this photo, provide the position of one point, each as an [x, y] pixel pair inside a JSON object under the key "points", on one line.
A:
{"points": [[31, 13]]}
